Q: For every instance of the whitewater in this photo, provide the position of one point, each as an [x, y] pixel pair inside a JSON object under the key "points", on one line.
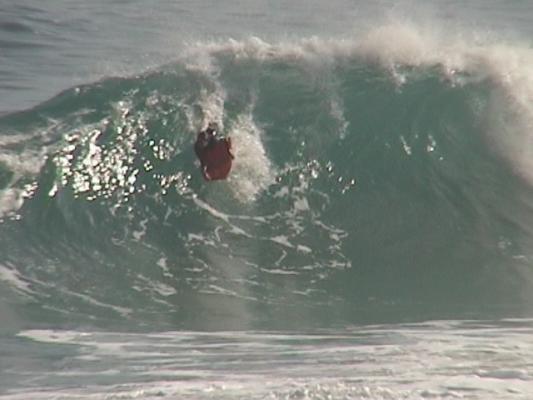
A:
{"points": [[373, 240]]}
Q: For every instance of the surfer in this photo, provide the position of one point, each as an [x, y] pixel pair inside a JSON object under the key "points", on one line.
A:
{"points": [[214, 152]]}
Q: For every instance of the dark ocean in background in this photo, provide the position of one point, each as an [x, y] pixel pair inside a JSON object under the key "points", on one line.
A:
{"points": [[374, 239]]}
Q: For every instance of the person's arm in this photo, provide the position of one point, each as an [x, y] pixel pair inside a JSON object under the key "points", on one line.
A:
{"points": [[228, 146]]}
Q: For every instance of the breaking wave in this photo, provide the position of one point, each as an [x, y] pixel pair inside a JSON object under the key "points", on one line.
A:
{"points": [[386, 176]]}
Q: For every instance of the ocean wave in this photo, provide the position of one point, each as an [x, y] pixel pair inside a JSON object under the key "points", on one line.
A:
{"points": [[389, 171]]}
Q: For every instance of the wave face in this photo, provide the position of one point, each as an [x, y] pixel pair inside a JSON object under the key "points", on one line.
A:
{"points": [[376, 179]]}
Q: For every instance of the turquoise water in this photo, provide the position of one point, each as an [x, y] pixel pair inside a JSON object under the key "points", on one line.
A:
{"points": [[380, 194]]}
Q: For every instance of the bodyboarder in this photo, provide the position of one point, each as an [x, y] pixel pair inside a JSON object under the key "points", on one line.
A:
{"points": [[214, 152]]}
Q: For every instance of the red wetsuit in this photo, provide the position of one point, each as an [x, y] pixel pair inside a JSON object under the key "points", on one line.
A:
{"points": [[214, 154]]}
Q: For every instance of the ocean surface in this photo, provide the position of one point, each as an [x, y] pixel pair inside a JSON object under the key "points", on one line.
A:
{"points": [[374, 239]]}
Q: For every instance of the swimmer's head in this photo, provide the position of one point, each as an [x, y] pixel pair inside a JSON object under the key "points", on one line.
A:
{"points": [[212, 126]]}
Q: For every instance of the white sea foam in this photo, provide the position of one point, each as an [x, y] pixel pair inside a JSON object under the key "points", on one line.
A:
{"points": [[11, 199], [253, 170], [156, 287], [212, 105], [123, 311], [13, 278], [24, 166], [432, 360]]}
